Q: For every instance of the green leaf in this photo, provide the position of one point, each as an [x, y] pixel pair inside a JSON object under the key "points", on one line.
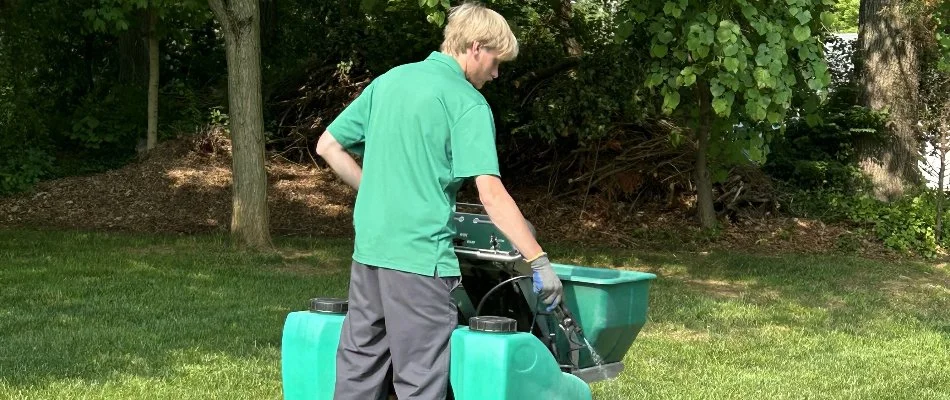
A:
{"points": [[692, 43], [437, 18], [653, 80], [749, 12], [689, 80], [676, 137], [775, 67], [432, 3], [731, 64], [446, 4], [669, 7], [689, 76], [755, 111], [827, 18], [701, 52], [774, 117], [731, 50], [725, 34], [763, 78], [422, 3], [794, 10], [708, 36], [721, 106], [716, 89], [712, 18], [801, 33], [670, 101], [718, 175], [804, 17], [783, 96], [623, 32], [665, 37], [764, 56], [659, 50]]}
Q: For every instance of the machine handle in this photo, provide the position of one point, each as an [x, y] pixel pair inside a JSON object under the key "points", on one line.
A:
{"points": [[488, 256], [470, 205]]}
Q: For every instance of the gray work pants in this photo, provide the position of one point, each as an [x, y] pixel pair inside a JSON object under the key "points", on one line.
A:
{"points": [[400, 320]]}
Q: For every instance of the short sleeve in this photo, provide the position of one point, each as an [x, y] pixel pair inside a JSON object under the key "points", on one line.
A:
{"points": [[349, 128], [473, 144]]}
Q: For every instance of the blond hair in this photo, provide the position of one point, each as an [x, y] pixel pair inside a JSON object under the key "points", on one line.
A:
{"points": [[472, 22]]}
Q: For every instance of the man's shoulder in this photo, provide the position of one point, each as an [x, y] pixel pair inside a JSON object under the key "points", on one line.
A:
{"points": [[427, 78]]}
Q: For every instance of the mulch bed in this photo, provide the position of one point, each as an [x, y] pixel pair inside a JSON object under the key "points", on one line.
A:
{"points": [[184, 186]]}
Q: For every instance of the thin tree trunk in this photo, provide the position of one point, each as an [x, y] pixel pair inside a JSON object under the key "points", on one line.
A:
{"points": [[889, 72], [269, 25], [152, 134], [241, 22], [943, 142], [940, 193], [704, 201], [564, 10], [133, 51]]}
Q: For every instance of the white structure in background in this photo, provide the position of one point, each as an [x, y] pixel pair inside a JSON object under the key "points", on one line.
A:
{"points": [[929, 163]]}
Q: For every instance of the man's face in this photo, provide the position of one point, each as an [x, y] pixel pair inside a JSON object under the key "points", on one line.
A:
{"points": [[482, 65]]}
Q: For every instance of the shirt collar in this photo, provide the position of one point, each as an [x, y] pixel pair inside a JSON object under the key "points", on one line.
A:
{"points": [[447, 60]]}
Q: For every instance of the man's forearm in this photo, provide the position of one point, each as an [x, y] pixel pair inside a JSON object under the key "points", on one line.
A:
{"points": [[504, 213], [345, 167], [339, 160]]}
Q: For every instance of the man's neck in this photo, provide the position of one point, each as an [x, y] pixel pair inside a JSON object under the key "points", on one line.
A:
{"points": [[461, 60]]}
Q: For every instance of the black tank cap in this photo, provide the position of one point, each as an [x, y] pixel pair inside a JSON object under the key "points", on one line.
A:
{"points": [[329, 305], [492, 324]]}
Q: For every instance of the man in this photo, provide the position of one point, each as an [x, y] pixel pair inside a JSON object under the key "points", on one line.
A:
{"points": [[423, 128]]}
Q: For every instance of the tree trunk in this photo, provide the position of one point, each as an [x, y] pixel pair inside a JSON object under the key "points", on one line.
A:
{"points": [[564, 9], [133, 51], [943, 145], [889, 73], [704, 195], [152, 134], [240, 20], [269, 25], [940, 193]]}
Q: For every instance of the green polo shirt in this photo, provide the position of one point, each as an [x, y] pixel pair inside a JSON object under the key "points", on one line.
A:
{"points": [[422, 128]]}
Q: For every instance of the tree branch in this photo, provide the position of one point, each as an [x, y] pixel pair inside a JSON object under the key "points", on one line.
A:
{"points": [[534, 76], [221, 13]]}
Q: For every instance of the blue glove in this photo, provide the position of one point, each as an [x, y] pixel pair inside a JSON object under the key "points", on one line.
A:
{"points": [[546, 282]]}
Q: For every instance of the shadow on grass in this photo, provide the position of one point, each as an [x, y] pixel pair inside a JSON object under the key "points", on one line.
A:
{"points": [[88, 306]]}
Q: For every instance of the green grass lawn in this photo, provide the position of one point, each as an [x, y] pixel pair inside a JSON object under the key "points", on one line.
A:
{"points": [[92, 316]]}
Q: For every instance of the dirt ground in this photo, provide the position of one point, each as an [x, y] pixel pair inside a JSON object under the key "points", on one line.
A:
{"points": [[184, 186]]}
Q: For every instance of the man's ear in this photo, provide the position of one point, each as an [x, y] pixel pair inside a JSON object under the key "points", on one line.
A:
{"points": [[476, 47]]}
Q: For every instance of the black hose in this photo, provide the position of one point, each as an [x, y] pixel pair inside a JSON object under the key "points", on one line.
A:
{"points": [[478, 310]]}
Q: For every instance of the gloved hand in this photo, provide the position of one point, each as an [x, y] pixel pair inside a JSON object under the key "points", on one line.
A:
{"points": [[546, 282]]}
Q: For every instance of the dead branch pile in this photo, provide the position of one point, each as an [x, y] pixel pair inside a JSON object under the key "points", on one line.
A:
{"points": [[630, 163], [306, 102], [640, 163]]}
